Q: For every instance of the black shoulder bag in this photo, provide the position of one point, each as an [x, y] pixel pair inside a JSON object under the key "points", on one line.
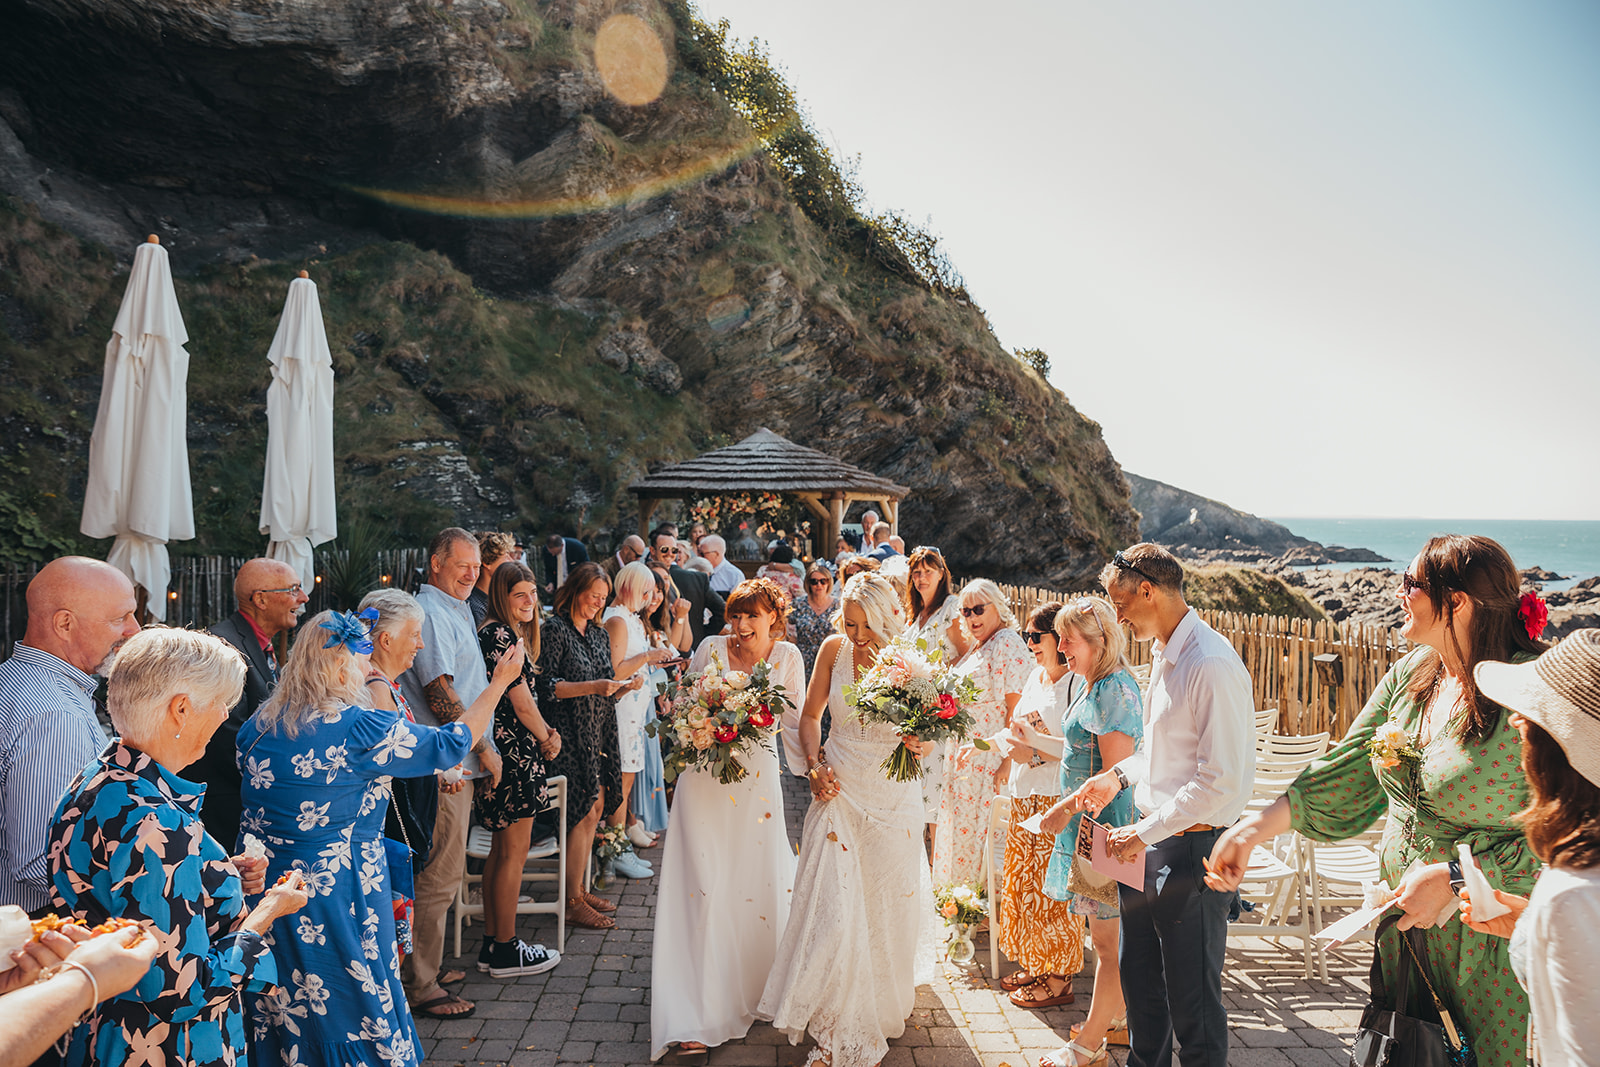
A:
{"points": [[1390, 1038]]}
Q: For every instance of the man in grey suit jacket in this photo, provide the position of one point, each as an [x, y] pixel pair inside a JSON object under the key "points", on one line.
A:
{"points": [[269, 596]]}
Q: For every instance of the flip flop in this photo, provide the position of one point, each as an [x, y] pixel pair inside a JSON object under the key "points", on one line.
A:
{"points": [[1017, 979], [1028, 996], [452, 977], [430, 1007]]}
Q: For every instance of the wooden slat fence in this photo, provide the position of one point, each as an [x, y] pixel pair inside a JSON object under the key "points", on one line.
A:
{"points": [[201, 592], [1278, 652]]}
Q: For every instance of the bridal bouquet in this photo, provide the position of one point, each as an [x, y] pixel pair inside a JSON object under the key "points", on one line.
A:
{"points": [[909, 688], [716, 715]]}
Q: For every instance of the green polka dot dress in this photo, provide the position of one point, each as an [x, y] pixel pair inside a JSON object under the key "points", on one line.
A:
{"points": [[1469, 794]]}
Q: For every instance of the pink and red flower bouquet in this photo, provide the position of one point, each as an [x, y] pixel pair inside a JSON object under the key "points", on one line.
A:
{"points": [[912, 690], [716, 715]]}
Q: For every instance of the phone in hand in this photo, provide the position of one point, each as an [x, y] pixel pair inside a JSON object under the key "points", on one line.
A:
{"points": [[1036, 722]]}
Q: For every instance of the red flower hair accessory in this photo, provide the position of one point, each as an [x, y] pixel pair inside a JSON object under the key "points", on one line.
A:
{"points": [[1535, 614]]}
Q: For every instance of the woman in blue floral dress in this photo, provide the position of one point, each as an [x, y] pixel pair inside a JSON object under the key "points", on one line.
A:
{"points": [[1101, 728], [317, 762], [128, 843]]}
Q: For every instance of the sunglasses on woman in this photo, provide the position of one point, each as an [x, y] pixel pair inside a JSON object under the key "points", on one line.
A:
{"points": [[819, 581], [1033, 637], [1408, 583], [973, 613]]}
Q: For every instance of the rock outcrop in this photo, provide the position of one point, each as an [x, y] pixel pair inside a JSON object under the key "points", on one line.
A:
{"points": [[560, 287]]}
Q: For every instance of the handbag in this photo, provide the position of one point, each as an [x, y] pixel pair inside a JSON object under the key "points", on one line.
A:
{"points": [[1390, 1038], [1082, 879]]}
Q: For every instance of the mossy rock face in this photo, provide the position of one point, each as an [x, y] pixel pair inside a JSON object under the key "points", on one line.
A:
{"points": [[591, 289], [1246, 590]]}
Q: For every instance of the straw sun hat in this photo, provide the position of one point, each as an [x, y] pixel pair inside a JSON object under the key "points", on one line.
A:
{"points": [[1560, 691]]}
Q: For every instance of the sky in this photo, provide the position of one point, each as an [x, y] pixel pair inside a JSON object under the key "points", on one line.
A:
{"points": [[1307, 259]]}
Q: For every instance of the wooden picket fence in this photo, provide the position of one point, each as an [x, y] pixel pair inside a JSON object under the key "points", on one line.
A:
{"points": [[201, 592], [1279, 652]]}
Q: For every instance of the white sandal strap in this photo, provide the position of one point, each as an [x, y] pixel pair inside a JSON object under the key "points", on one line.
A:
{"points": [[1078, 1056]]}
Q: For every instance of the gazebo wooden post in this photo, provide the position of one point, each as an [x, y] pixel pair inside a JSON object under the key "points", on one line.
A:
{"points": [[814, 505], [891, 514], [647, 507], [836, 505]]}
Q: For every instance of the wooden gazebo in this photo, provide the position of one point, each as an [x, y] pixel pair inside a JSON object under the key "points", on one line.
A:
{"points": [[766, 462]]}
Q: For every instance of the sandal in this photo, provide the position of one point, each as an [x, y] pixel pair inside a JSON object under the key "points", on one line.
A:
{"points": [[1073, 1054], [598, 903], [452, 977], [686, 1053], [433, 1008], [1017, 979], [1116, 1033], [580, 913], [1038, 994]]}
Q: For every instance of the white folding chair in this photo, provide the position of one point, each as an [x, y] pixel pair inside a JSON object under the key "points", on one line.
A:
{"points": [[1345, 866], [543, 863], [994, 853], [1266, 721]]}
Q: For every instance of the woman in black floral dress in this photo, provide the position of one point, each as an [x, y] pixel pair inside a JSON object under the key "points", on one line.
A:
{"points": [[525, 742], [576, 693]]}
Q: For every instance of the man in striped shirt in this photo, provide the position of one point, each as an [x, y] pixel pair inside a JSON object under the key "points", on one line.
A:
{"points": [[80, 611]]}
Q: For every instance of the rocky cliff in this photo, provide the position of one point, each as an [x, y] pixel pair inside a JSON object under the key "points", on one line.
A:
{"points": [[537, 282]]}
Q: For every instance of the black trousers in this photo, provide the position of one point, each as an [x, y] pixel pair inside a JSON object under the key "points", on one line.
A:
{"points": [[1174, 939]]}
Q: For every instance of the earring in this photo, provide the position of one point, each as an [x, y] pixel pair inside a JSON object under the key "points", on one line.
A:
{"points": [[177, 735]]}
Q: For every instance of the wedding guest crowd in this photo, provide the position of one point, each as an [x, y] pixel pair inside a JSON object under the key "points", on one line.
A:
{"points": [[300, 915]]}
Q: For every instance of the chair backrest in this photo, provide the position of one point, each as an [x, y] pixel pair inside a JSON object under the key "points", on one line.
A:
{"points": [[1266, 720], [1291, 746]]}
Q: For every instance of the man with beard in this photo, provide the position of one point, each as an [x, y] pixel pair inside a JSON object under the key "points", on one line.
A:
{"points": [[80, 611]]}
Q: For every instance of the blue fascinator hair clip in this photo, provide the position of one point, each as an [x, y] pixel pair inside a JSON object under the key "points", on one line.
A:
{"points": [[348, 629]]}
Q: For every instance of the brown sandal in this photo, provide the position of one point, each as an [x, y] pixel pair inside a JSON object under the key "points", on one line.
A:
{"points": [[1038, 994], [1017, 979], [599, 903], [579, 913]]}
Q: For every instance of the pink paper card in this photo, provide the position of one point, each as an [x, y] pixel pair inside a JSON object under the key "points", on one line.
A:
{"points": [[1129, 874]]}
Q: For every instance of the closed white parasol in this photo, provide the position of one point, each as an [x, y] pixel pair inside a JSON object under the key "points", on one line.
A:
{"points": [[138, 489], [297, 504]]}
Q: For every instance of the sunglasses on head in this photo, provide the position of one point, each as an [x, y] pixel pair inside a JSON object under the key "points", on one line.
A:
{"points": [[976, 611], [1123, 562], [927, 548]]}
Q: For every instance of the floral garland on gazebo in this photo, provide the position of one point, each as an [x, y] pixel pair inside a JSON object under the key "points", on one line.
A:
{"points": [[711, 509]]}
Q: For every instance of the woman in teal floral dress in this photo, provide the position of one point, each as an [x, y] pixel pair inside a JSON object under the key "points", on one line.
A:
{"points": [[129, 843], [1445, 763]]}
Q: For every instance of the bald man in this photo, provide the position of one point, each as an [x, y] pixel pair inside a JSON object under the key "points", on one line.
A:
{"points": [[80, 611], [269, 598], [631, 551]]}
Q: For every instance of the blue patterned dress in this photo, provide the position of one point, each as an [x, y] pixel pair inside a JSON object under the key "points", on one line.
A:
{"points": [[318, 801], [1111, 705], [128, 842]]}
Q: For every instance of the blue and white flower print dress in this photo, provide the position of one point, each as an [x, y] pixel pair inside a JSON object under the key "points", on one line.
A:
{"points": [[318, 801]]}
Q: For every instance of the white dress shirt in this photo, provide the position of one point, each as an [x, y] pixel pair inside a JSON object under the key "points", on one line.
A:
{"points": [[725, 576], [1198, 762]]}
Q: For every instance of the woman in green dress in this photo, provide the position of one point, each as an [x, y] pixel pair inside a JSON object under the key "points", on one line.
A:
{"points": [[1445, 763]]}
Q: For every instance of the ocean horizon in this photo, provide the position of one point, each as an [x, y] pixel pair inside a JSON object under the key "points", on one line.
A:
{"points": [[1569, 547]]}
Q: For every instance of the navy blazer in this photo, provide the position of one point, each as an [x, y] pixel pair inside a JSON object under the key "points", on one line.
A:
{"points": [[219, 766], [576, 554]]}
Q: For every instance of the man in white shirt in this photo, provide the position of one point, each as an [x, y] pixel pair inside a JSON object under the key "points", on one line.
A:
{"points": [[1190, 779], [724, 575]]}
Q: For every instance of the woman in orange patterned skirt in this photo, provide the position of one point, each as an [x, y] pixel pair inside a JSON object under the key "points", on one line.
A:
{"points": [[1040, 934]]}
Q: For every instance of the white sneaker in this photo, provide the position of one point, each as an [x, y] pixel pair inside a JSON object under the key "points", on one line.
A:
{"points": [[640, 837]]}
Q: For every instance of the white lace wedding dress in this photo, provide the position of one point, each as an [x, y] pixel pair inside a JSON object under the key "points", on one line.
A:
{"points": [[862, 931], [724, 892]]}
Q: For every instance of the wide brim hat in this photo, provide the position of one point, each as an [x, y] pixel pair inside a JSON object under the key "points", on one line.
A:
{"points": [[1560, 691]]}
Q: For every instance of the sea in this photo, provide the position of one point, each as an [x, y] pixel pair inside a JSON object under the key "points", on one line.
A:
{"points": [[1569, 548]]}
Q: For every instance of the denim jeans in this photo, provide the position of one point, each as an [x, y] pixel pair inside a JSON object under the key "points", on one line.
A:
{"points": [[1174, 938]]}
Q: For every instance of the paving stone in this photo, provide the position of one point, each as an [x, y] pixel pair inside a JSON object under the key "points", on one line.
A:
{"points": [[544, 1034], [1259, 1057], [1317, 1057], [621, 1052], [593, 1012], [983, 1021], [1254, 1037], [744, 1055], [597, 1031], [1003, 1041], [494, 1051], [577, 1052], [618, 994]]}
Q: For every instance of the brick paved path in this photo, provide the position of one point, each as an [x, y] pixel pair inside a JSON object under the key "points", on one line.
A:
{"points": [[595, 1007]]}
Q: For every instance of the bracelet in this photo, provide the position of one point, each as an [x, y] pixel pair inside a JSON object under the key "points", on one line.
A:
{"points": [[94, 986]]}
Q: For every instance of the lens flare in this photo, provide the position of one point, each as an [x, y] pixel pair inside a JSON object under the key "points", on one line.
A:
{"points": [[678, 177], [630, 59]]}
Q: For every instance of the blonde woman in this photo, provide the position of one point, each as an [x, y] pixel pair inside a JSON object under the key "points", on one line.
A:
{"points": [[862, 934], [631, 653], [998, 663], [317, 761], [1101, 728]]}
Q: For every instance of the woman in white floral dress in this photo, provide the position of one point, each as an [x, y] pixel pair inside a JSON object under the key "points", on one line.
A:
{"points": [[999, 663], [317, 761]]}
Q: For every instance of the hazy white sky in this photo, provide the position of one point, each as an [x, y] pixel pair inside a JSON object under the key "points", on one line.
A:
{"points": [[1308, 259]]}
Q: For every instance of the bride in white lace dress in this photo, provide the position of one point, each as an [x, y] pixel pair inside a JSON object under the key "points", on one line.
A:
{"points": [[862, 932]]}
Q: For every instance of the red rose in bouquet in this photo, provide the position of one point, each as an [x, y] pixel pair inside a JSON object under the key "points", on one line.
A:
{"points": [[948, 708], [726, 735], [761, 718]]}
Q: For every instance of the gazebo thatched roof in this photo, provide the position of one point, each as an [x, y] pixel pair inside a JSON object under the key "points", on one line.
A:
{"points": [[766, 462]]}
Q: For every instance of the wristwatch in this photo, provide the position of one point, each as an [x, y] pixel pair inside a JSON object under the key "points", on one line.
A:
{"points": [[1121, 777], [1456, 880]]}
